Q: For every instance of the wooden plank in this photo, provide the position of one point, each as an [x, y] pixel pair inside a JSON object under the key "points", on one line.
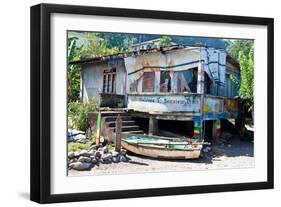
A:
{"points": [[118, 132]]}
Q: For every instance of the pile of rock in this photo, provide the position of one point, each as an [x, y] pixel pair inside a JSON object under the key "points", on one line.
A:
{"points": [[85, 160]]}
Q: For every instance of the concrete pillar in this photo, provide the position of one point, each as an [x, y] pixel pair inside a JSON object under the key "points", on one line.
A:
{"points": [[153, 126], [217, 130], [198, 130]]}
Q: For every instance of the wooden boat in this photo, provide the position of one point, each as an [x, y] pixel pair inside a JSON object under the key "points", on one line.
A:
{"points": [[162, 147]]}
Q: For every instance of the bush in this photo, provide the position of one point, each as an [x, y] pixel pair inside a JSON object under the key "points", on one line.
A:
{"points": [[78, 113]]}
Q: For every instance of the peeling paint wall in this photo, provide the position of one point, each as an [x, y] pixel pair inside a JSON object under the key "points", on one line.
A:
{"points": [[174, 60], [92, 75], [161, 82], [162, 103], [214, 64], [214, 107]]}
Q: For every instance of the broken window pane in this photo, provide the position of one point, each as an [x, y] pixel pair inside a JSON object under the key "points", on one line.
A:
{"points": [[165, 81], [187, 80], [207, 84], [148, 82], [134, 86], [113, 83]]}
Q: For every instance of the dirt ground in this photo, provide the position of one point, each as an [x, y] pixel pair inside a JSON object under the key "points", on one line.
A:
{"points": [[239, 154]]}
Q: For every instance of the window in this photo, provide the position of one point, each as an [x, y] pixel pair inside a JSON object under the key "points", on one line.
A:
{"points": [[165, 81], [187, 80], [231, 89], [148, 82], [134, 86], [228, 86], [109, 81], [207, 84]]}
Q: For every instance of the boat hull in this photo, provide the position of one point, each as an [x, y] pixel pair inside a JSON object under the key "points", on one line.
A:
{"points": [[165, 153]]}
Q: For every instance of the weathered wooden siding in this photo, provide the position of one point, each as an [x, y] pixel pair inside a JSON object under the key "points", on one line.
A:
{"points": [[213, 108], [174, 60], [229, 90], [218, 107], [92, 75], [165, 103], [140, 79]]}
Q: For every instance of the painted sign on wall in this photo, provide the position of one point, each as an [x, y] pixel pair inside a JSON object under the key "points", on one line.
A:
{"points": [[230, 106], [212, 105], [171, 103]]}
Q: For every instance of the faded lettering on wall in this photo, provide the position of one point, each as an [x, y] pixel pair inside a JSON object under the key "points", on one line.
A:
{"points": [[172, 103]]}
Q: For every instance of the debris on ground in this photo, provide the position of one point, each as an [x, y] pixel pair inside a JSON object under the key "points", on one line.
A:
{"points": [[76, 136]]}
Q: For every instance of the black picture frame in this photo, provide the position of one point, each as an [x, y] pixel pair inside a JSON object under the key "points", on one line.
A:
{"points": [[41, 98]]}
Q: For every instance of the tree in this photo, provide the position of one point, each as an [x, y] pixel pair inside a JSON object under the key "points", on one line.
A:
{"points": [[164, 41], [118, 40], [243, 50], [73, 71], [95, 46], [247, 77], [237, 46]]}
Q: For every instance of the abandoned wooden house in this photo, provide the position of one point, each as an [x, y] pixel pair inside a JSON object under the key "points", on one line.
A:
{"points": [[180, 89]]}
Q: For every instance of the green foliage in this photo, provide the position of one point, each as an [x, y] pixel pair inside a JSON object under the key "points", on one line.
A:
{"points": [[118, 40], [95, 46], [77, 147], [239, 45], [73, 71], [78, 113], [73, 82], [236, 80], [243, 50], [164, 41], [247, 76]]}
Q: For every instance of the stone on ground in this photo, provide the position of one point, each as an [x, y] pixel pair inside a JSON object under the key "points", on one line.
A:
{"points": [[71, 155], [105, 149], [84, 159], [80, 166]]}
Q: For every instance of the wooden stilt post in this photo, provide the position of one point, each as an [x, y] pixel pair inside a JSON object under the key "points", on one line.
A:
{"points": [[153, 126], [240, 121], [98, 129], [198, 129], [118, 132], [217, 130]]}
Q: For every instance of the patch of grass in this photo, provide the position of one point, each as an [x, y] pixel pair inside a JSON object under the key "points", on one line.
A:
{"points": [[77, 147], [78, 113]]}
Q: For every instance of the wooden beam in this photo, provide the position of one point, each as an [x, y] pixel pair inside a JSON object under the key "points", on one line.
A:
{"points": [[118, 132]]}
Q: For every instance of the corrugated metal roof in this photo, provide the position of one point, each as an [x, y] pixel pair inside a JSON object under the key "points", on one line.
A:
{"points": [[141, 52]]}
